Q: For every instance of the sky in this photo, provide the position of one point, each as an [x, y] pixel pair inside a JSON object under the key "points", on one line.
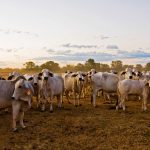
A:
{"points": [[72, 31]]}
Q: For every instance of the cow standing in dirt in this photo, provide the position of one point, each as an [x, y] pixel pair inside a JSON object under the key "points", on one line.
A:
{"points": [[135, 87], [74, 82], [102, 81], [7, 91], [51, 85]]}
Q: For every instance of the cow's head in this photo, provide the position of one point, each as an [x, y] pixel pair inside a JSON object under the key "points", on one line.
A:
{"points": [[79, 75], [91, 73], [10, 77], [128, 74], [22, 90], [13, 75], [45, 74]]}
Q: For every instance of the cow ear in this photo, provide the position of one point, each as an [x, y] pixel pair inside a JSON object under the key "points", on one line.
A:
{"points": [[124, 72], [39, 78], [147, 84], [74, 75], [139, 74], [83, 74], [133, 73], [40, 74], [10, 77], [51, 74], [31, 78]]}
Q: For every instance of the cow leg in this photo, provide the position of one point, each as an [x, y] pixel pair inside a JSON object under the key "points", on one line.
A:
{"points": [[16, 105], [79, 99], [94, 97], [75, 97], [119, 102], [67, 96], [123, 103], [21, 118], [43, 101], [51, 105], [37, 100], [59, 99], [144, 104]]}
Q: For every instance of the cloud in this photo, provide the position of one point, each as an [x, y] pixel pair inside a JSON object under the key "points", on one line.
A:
{"points": [[69, 45], [19, 32], [112, 47], [133, 54], [58, 52], [104, 37], [70, 56], [79, 56]]}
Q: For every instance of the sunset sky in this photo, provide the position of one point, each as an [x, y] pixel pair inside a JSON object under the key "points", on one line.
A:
{"points": [[71, 31]]}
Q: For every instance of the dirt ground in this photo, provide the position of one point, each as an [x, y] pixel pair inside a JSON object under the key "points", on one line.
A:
{"points": [[79, 128]]}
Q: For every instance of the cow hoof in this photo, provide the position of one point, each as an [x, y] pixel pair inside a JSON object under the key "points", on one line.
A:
{"points": [[42, 110], [23, 127], [15, 130]]}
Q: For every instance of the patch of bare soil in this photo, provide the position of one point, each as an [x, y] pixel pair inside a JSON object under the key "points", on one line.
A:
{"points": [[83, 127]]}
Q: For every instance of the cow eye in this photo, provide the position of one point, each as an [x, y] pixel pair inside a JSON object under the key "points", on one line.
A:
{"points": [[20, 87]]}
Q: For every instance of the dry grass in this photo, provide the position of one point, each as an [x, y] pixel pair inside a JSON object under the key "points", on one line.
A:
{"points": [[83, 127]]}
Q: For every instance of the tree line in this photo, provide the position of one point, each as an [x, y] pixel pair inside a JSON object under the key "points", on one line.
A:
{"points": [[88, 65]]}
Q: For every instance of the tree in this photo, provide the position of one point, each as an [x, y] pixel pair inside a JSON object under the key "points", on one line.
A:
{"points": [[117, 65], [147, 67], [79, 67], [139, 67], [67, 67], [104, 67], [29, 65], [51, 66], [90, 64]]}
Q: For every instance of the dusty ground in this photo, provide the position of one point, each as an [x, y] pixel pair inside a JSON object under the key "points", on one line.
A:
{"points": [[83, 127]]}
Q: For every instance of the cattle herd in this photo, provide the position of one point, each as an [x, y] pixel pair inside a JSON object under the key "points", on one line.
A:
{"points": [[19, 90]]}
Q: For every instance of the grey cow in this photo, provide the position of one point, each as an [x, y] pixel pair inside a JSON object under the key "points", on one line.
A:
{"points": [[7, 90]]}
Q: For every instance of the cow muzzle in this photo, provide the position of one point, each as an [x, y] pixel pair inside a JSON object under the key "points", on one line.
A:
{"points": [[35, 84], [13, 98], [46, 78]]}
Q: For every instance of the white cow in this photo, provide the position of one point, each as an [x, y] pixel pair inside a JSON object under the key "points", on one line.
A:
{"points": [[33, 79], [7, 89], [106, 82], [134, 87], [51, 85], [74, 82]]}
